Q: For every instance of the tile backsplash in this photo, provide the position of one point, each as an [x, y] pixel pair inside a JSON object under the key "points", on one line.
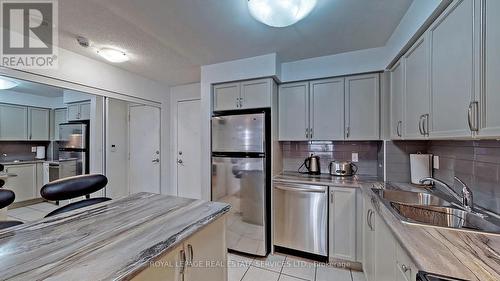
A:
{"points": [[19, 150], [294, 154], [477, 163]]}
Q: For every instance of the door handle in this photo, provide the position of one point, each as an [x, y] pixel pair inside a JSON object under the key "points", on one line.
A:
{"points": [[348, 134], [421, 124], [426, 124], [301, 189], [191, 255], [472, 117], [398, 128]]}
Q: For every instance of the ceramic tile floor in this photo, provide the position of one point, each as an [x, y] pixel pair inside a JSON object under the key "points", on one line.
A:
{"points": [[285, 268], [31, 212]]}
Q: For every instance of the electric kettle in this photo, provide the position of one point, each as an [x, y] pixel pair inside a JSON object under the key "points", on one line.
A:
{"points": [[312, 165]]}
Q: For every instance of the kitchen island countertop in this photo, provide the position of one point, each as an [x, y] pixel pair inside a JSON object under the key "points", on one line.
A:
{"points": [[113, 240]]}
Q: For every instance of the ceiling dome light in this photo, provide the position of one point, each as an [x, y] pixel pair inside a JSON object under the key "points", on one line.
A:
{"points": [[113, 55], [7, 83], [280, 13]]}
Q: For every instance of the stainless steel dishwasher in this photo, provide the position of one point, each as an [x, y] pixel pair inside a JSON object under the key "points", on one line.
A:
{"points": [[301, 217]]}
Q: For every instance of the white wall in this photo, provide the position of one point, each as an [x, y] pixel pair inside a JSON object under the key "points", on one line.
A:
{"points": [[117, 160], [255, 67], [179, 93]]}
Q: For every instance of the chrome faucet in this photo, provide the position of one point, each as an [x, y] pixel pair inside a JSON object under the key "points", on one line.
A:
{"points": [[466, 198]]}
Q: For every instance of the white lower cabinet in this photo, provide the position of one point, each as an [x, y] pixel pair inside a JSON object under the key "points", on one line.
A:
{"points": [[24, 185], [201, 257], [342, 226], [383, 256]]}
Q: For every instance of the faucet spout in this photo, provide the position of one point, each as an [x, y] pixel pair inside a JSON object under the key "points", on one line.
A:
{"points": [[466, 198]]}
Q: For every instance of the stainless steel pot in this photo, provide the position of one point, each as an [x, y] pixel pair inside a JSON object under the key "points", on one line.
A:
{"points": [[343, 168]]}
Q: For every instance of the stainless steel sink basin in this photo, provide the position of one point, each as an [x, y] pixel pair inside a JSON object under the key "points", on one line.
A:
{"points": [[411, 198], [444, 217]]}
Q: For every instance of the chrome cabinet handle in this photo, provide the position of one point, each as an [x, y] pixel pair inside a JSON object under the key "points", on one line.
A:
{"points": [[301, 189], [241, 102], [472, 117], [191, 254], [420, 125], [311, 133], [183, 262], [425, 124], [157, 160], [307, 133], [398, 128], [348, 132], [368, 218], [405, 268], [237, 102]]}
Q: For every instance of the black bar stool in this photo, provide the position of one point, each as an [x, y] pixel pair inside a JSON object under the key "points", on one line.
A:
{"points": [[74, 187], [6, 198]]}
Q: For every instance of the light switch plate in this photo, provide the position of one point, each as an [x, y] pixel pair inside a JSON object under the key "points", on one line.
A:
{"points": [[436, 162], [354, 157], [33, 149]]}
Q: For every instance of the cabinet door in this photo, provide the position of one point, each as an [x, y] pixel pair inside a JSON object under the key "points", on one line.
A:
{"points": [[13, 122], [385, 251], [24, 184], [397, 101], [226, 96], [343, 223], [452, 70], [256, 94], [327, 109], [489, 100], [293, 111], [416, 88], [39, 120], [168, 267], [73, 112], [84, 111], [60, 116], [362, 107], [406, 270], [368, 241], [206, 253]]}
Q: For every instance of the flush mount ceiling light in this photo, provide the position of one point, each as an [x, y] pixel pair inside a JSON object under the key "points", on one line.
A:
{"points": [[7, 83], [280, 13], [113, 55]]}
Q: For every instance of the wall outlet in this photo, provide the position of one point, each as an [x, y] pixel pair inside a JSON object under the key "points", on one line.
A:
{"points": [[436, 162], [354, 157], [33, 149]]}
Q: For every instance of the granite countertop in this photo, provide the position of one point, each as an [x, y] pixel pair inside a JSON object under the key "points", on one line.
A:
{"points": [[35, 161], [113, 240], [448, 252], [324, 179]]}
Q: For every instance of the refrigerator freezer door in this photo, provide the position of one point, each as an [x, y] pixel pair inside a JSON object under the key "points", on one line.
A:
{"points": [[238, 133], [72, 163], [241, 182], [72, 136]]}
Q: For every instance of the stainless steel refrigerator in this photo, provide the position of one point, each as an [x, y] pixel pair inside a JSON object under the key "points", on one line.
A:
{"points": [[241, 177], [74, 145]]}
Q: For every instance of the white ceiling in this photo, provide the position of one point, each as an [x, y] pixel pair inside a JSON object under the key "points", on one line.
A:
{"points": [[168, 40], [36, 89]]}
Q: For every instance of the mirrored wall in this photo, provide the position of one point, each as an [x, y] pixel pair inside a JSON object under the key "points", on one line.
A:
{"points": [[49, 133]]}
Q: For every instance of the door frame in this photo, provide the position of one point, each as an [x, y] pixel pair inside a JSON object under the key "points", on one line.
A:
{"points": [[175, 98], [160, 144]]}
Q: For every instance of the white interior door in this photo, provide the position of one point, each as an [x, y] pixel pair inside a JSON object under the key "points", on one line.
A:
{"points": [[144, 163], [188, 149]]}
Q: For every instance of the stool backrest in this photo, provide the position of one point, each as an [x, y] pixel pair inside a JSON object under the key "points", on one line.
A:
{"points": [[73, 187]]}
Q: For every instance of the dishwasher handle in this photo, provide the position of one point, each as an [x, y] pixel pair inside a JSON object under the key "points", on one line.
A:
{"points": [[298, 188]]}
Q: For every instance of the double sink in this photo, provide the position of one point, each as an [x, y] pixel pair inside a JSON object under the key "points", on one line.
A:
{"points": [[431, 210]]}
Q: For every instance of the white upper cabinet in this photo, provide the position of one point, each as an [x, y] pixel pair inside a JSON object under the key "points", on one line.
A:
{"points": [[13, 122], [243, 95], [362, 104], [85, 111], [416, 90], [452, 70], [327, 109], [397, 101], [73, 111], [60, 116], [256, 93], [78, 111], [226, 96], [39, 124], [489, 97], [293, 111]]}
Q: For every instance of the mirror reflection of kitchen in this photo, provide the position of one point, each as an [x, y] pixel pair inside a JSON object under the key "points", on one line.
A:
{"points": [[45, 135]]}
